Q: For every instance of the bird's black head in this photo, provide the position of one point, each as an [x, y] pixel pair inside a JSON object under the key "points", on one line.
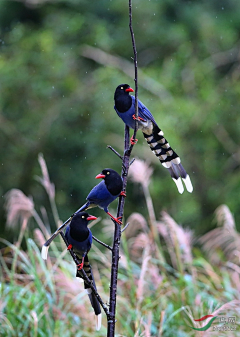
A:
{"points": [[122, 98], [78, 226], [112, 179]]}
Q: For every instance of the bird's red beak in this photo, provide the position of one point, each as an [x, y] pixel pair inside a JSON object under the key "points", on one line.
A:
{"points": [[129, 89], [91, 217], [100, 176]]}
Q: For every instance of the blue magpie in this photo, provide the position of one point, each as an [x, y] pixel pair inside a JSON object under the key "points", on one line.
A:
{"points": [[125, 108], [101, 195], [79, 238]]}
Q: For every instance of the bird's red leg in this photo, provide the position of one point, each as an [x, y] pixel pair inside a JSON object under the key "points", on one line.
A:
{"points": [[133, 141], [80, 265], [69, 247], [115, 219], [123, 193], [139, 118]]}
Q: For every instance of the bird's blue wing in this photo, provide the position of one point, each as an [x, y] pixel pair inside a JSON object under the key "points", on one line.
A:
{"points": [[143, 111], [98, 193], [100, 196]]}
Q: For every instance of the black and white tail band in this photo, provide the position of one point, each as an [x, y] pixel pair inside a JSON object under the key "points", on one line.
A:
{"points": [[168, 158], [94, 302]]}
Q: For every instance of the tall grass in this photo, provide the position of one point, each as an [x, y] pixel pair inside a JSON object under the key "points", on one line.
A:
{"points": [[165, 280]]}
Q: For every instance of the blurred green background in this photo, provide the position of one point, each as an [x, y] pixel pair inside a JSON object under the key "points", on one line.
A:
{"points": [[60, 62]]}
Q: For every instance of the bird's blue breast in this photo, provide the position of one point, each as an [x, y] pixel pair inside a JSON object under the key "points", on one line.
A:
{"points": [[100, 196], [127, 116]]}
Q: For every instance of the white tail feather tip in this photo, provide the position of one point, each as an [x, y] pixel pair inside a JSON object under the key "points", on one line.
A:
{"points": [[176, 161], [98, 322], [88, 291], [188, 184], [179, 184], [167, 164], [44, 252]]}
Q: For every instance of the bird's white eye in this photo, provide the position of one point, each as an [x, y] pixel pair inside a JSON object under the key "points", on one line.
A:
{"points": [[121, 87], [83, 216], [108, 172]]}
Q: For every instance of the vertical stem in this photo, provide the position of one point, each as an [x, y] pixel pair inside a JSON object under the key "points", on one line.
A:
{"points": [[152, 221], [135, 69], [125, 168], [18, 244], [116, 240]]}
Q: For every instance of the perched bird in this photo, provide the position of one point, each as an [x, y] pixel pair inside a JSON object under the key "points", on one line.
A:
{"points": [[101, 195], [79, 238], [125, 108]]}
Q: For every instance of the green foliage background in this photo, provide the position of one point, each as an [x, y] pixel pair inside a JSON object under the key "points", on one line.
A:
{"points": [[57, 100]]}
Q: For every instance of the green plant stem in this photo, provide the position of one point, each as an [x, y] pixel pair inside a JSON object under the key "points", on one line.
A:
{"points": [[18, 244], [152, 222]]}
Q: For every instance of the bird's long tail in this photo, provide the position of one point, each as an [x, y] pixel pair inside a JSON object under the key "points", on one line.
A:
{"points": [[60, 229], [94, 302], [168, 158]]}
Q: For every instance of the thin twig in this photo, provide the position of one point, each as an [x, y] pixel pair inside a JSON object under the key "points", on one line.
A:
{"points": [[131, 162], [124, 228], [84, 276], [111, 148], [102, 243]]}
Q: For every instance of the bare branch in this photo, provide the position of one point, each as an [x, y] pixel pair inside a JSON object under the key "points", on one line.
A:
{"points": [[113, 150], [135, 72], [102, 243], [121, 202], [131, 162], [124, 228]]}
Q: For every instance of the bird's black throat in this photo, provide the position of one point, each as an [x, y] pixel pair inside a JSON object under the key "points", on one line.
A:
{"points": [[123, 101], [114, 184], [79, 233]]}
